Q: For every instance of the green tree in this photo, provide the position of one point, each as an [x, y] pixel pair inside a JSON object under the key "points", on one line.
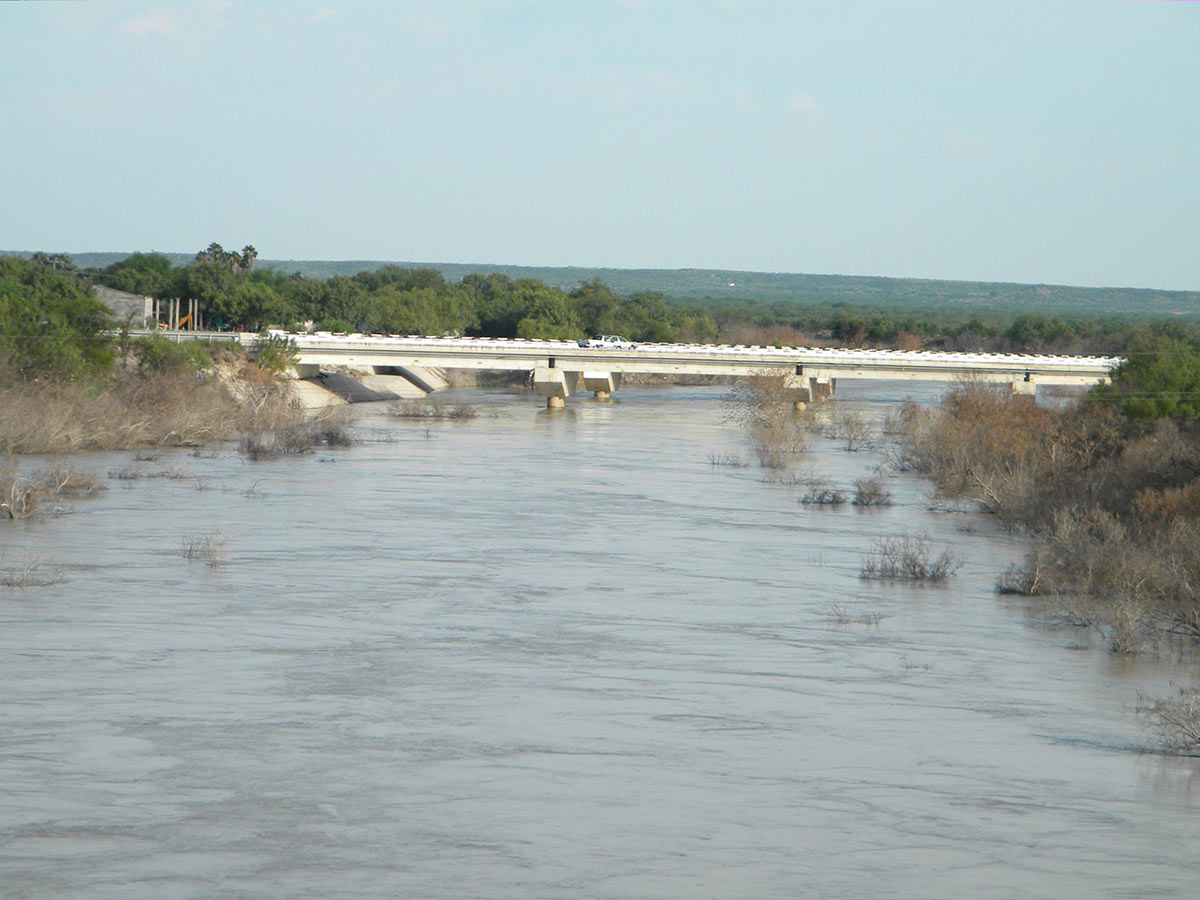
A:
{"points": [[597, 306], [261, 305], [141, 273], [51, 324], [212, 282], [1160, 377], [545, 312], [1034, 331]]}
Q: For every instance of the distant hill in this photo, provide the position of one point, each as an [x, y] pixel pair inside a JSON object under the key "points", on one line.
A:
{"points": [[780, 289]]}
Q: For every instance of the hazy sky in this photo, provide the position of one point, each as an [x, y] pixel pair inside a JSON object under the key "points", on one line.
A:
{"points": [[1049, 140]]}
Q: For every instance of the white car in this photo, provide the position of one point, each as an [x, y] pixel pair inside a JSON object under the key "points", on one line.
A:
{"points": [[608, 342]]}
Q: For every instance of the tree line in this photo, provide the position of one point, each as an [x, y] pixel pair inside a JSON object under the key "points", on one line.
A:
{"points": [[395, 300], [235, 294], [52, 323]]}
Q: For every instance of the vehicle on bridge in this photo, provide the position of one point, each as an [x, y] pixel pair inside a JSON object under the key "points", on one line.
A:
{"points": [[608, 342]]}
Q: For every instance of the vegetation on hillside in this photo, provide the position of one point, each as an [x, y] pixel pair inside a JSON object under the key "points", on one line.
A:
{"points": [[769, 293]]}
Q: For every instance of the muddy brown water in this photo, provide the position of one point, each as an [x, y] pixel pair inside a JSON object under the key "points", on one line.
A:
{"points": [[557, 654]]}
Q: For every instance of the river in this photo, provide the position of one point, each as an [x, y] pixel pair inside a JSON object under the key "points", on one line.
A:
{"points": [[557, 654]]}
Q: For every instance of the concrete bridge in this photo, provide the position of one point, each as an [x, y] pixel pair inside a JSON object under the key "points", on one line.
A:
{"points": [[561, 368]]}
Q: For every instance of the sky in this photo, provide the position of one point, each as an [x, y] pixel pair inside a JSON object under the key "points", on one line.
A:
{"points": [[1044, 141]]}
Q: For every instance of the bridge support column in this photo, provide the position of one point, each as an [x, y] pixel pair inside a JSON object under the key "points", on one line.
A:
{"points": [[821, 387], [555, 385], [1025, 385], [602, 384], [797, 390]]}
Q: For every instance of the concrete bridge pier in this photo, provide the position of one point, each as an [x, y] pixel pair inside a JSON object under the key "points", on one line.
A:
{"points": [[797, 390], [602, 384], [1025, 385], [556, 385], [821, 387]]}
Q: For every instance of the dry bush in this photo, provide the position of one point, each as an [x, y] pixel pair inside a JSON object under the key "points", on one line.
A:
{"points": [[31, 571], [1125, 627], [1024, 578], [332, 428], [869, 491], [850, 614], [910, 557], [1140, 579], [329, 427], [822, 492], [211, 548], [18, 494], [22, 496], [1113, 506], [727, 458], [850, 427], [132, 473], [763, 406], [260, 445], [777, 447], [1012, 457], [906, 419], [1177, 719], [67, 481], [433, 408]]}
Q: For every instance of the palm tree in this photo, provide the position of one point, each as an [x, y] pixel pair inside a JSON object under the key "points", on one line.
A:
{"points": [[249, 255]]}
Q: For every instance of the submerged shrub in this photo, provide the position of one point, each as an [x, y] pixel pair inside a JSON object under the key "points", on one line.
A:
{"points": [[433, 408], [850, 427], [328, 428], [822, 492], [727, 458], [763, 406], [869, 491], [22, 496], [1177, 719], [911, 557], [30, 571], [211, 548]]}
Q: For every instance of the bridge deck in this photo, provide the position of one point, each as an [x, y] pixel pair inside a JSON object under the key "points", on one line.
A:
{"points": [[692, 359]]}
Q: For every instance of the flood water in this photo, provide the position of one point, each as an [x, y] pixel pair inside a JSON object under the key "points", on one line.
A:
{"points": [[557, 654]]}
